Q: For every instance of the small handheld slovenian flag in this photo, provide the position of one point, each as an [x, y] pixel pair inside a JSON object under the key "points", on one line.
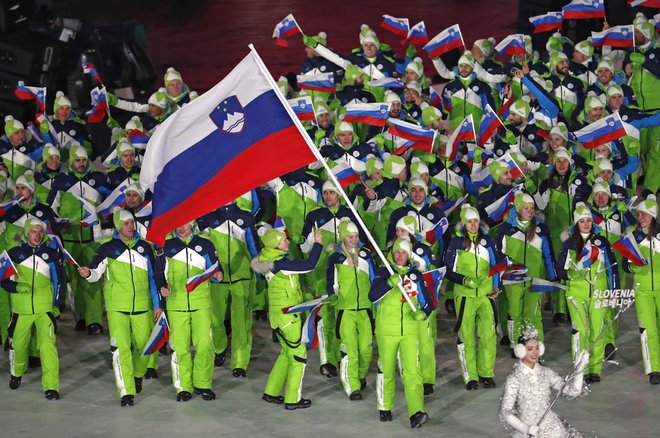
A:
{"points": [[90, 69], [501, 266], [321, 82], [601, 131], [7, 205], [446, 41], [90, 218], [38, 94], [514, 170], [344, 173], [160, 334], [500, 207], [435, 235], [465, 132], [398, 26], [628, 248], [512, 45], [589, 256], [578, 9], [284, 29], [547, 22], [423, 137], [433, 280], [541, 286], [615, 36], [310, 335], [196, 280], [303, 107], [139, 139], [417, 34], [7, 268], [490, 122], [304, 307], [374, 114], [99, 105], [448, 207], [387, 82]]}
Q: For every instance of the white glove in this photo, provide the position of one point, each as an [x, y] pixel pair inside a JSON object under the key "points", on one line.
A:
{"points": [[533, 430]]}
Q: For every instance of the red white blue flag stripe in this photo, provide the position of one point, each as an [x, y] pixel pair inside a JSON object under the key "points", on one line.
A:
{"points": [[196, 160], [284, 29], [321, 82], [589, 256], [422, 137], [628, 248], [417, 34], [310, 329], [500, 207], [89, 68], [7, 268], [501, 266], [489, 124], [465, 132], [99, 105], [433, 280], [578, 9], [446, 41], [515, 171], [602, 131], [547, 22], [540, 286], [615, 36], [512, 45], [398, 26], [38, 94], [160, 334], [196, 280], [435, 235], [387, 82], [374, 114], [344, 173], [304, 307], [303, 107]]}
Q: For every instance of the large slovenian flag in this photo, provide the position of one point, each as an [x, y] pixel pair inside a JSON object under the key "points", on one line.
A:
{"points": [[90, 69], [602, 131], [284, 29], [628, 248], [540, 286], [500, 207], [417, 34], [616, 36], [388, 83], [398, 26], [588, 256], [374, 114], [465, 132], [198, 159], [7, 268], [433, 280], [304, 307], [423, 138], [344, 173], [196, 280], [446, 41], [512, 45], [99, 105], [38, 94], [160, 334], [435, 235], [547, 22], [321, 82], [303, 107], [490, 122], [578, 9], [310, 335]]}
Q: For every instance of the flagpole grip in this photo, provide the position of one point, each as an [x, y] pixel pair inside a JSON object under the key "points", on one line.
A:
{"points": [[331, 175]]}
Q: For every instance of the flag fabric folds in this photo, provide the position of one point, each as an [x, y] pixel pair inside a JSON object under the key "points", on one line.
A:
{"points": [[233, 138], [446, 41], [547, 22], [578, 9], [310, 335], [417, 34], [422, 137], [540, 286], [398, 26], [196, 280], [374, 114], [38, 94], [601, 131], [465, 132], [286, 28], [99, 105], [344, 173], [7, 268], [303, 107], [588, 256], [628, 248], [160, 334], [304, 307], [322, 82], [511, 45], [615, 36], [490, 122]]}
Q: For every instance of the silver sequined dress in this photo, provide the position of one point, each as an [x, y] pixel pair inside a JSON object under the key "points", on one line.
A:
{"points": [[527, 394]]}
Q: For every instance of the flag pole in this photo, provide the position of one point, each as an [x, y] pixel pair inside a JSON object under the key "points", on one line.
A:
{"points": [[331, 175]]}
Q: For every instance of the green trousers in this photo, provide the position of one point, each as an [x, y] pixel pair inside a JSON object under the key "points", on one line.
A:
{"points": [[524, 309], [237, 297], [355, 333], [407, 350], [20, 332], [476, 318], [588, 322], [650, 153], [87, 302], [289, 368], [428, 335], [191, 329], [5, 314], [128, 336], [647, 304]]}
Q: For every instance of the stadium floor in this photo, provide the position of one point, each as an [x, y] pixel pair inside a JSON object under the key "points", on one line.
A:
{"points": [[623, 404]]}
